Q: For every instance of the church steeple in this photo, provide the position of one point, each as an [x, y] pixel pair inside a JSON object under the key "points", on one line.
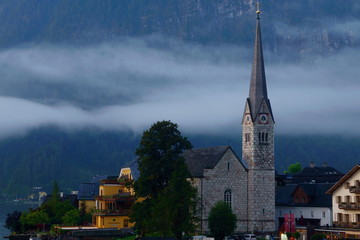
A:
{"points": [[258, 90], [258, 145]]}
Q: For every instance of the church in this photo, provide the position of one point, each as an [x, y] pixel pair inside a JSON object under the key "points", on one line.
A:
{"points": [[246, 184]]}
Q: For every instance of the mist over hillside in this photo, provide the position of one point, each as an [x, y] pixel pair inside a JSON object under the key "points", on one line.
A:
{"points": [[100, 72], [48, 154]]}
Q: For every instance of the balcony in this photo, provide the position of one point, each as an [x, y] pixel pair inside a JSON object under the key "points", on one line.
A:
{"points": [[123, 197], [354, 189], [349, 206], [123, 212], [353, 225]]}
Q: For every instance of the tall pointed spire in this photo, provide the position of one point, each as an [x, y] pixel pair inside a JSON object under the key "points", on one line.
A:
{"points": [[258, 91]]}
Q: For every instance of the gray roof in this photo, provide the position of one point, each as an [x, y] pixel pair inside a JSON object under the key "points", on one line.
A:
{"points": [[196, 160], [258, 90], [88, 191], [204, 158], [316, 193], [316, 171]]}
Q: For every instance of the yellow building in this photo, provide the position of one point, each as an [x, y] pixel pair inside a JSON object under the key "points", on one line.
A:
{"points": [[114, 202]]}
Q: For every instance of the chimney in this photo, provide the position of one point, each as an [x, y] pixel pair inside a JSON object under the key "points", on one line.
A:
{"points": [[325, 164], [312, 164]]}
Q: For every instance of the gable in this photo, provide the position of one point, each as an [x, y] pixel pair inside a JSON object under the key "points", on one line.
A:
{"points": [[200, 159]]}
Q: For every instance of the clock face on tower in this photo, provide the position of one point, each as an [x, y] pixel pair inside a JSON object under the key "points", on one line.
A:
{"points": [[264, 118]]}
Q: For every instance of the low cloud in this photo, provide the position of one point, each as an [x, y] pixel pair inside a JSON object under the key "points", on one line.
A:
{"points": [[133, 83]]}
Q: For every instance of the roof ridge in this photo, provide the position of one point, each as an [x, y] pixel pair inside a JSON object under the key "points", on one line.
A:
{"points": [[224, 146]]}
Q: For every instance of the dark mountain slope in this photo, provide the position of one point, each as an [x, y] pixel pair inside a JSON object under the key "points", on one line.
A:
{"points": [[305, 26], [49, 154]]}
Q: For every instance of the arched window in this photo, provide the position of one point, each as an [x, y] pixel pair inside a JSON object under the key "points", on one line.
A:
{"points": [[263, 137], [266, 137], [227, 197], [259, 137]]}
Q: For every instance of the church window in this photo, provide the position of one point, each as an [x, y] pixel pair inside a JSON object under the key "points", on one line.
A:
{"points": [[263, 137], [259, 137], [227, 197], [247, 137], [266, 137], [228, 165]]}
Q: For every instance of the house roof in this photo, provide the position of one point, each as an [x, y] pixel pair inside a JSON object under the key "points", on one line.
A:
{"points": [[316, 193], [343, 179], [87, 191], [204, 158], [317, 171]]}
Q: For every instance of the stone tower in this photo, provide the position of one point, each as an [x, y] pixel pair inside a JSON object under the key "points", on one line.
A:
{"points": [[258, 146]]}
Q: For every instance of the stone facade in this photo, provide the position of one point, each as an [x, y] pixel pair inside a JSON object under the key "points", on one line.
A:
{"points": [[258, 152], [228, 174]]}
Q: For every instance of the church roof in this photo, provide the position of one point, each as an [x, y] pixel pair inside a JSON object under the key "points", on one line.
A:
{"points": [[258, 89], [203, 158]]}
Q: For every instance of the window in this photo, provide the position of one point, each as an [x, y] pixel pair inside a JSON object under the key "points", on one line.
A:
{"points": [[324, 214], [312, 213], [126, 223], [247, 137], [338, 199], [263, 137], [228, 165], [227, 197]]}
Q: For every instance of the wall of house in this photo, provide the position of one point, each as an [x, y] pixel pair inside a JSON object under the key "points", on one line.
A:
{"points": [[109, 189], [106, 221], [89, 205], [322, 213], [344, 192], [230, 174]]}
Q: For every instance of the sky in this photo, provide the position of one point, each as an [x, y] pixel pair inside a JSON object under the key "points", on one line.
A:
{"points": [[130, 84]]}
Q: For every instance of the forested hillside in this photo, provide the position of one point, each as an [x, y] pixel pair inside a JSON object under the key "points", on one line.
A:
{"points": [[289, 23], [49, 154]]}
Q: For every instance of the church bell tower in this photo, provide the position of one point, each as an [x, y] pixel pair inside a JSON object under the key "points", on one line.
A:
{"points": [[258, 145]]}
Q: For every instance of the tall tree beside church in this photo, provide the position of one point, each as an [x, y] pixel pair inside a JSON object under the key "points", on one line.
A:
{"points": [[163, 179]]}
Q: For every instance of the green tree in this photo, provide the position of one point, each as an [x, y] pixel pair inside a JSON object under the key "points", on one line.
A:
{"points": [[222, 221], [175, 209], [34, 219], [13, 221], [72, 217], [293, 168], [163, 178]]}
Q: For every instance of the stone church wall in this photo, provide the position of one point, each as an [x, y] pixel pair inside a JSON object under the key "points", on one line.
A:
{"points": [[230, 174]]}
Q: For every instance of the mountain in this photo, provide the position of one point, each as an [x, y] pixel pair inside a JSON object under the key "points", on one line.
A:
{"points": [[321, 26], [293, 29], [48, 154]]}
